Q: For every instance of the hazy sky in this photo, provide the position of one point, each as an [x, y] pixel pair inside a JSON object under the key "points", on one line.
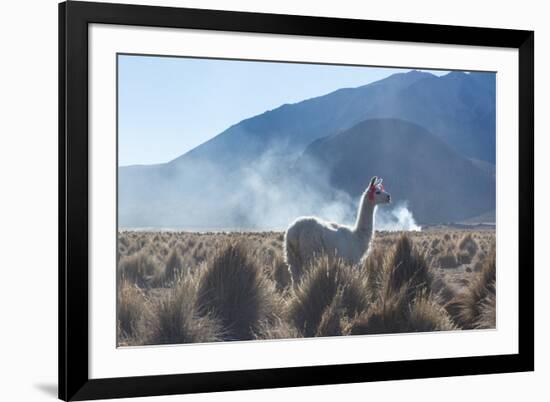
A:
{"points": [[169, 105]]}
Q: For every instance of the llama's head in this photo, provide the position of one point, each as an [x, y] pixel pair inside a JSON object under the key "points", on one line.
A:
{"points": [[376, 193]]}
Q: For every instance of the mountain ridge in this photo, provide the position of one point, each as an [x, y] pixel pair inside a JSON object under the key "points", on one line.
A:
{"points": [[433, 187], [443, 106]]}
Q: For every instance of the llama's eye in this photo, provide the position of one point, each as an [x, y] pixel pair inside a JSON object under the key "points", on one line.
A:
{"points": [[378, 192]]}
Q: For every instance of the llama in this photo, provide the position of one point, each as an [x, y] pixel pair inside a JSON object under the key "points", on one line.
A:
{"points": [[310, 236]]}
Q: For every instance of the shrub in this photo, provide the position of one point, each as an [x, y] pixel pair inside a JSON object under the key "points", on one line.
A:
{"points": [[234, 290]]}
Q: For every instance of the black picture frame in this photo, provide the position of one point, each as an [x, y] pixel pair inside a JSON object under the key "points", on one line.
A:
{"points": [[74, 381]]}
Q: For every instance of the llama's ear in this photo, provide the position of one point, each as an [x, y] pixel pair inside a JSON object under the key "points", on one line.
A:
{"points": [[379, 181], [373, 181]]}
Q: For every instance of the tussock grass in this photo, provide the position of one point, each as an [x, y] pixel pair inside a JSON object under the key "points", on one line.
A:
{"points": [[139, 268], [315, 293], [374, 268], [132, 310], [404, 301], [396, 314], [175, 319], [234, 290], [427, 315], [468, 244], [408, 268], [474, 306], [277, 329], [278, 271], [448, 259], [467, 249], [331, 320], [173, 267], [177, 287], [487, 317], [389, 315]]}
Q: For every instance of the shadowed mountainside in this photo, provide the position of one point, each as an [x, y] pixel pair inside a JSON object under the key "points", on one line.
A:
{"points": [[439, 184], [244, 164], [459, 108]]}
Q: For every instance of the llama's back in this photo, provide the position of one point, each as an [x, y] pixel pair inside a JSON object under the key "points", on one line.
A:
{"points": [[309, 237]]}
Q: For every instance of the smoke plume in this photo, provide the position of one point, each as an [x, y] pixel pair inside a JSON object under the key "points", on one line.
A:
{"points": [[268, 194]]}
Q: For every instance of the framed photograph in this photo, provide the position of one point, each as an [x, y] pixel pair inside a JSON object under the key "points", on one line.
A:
{"points": [[257, 200]]}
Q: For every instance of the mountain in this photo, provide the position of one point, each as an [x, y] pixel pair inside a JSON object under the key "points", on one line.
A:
{"points": [[246, 162], [458, 107], [439, 184], [288, 129]]}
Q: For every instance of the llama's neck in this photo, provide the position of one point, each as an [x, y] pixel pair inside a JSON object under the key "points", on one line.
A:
{"points": [[364, 226]]}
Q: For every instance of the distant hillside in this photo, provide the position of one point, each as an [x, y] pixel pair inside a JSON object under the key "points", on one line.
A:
{"points": [[439, 184], [458, 107], [244, 163]]}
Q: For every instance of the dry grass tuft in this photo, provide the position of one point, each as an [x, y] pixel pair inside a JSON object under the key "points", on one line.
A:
{"points": [[277, 329], [174, 266], [280, 274], [139, 268], [469, 245], [467, 249], [132, 309], [487, 318], [330, 324], [318, 288], [234, 290], [388, 315], [181, 287], [396, 314], [175, 320], [408, 268], [374, 268], [429, 315], [474, 306], [403, 301], [448, 259]]}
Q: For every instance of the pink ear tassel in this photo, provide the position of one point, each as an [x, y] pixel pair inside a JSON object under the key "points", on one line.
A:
{"points": [[370, 194], [372, 189]]}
